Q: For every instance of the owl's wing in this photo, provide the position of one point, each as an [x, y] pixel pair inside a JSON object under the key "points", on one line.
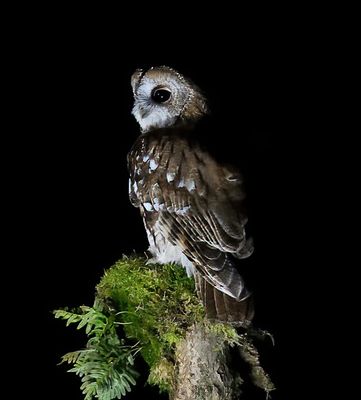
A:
{"points": [[199, 207]]}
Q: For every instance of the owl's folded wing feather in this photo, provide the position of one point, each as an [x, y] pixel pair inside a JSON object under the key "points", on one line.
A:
{"points": [[199, 204]]}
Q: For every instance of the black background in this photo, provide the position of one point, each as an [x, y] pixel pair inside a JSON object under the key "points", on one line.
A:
{"points": [[72, 137]]}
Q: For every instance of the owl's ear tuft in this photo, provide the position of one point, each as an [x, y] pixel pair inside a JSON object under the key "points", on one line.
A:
{"points": [[136, 79]]}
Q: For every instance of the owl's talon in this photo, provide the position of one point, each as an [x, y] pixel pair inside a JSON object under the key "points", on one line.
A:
{"points": [[150, 261]]}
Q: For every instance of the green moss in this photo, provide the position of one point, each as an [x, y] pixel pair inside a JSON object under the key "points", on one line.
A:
{"points": [[227, 333], [158, 305], [155, 305], [162, 375]]}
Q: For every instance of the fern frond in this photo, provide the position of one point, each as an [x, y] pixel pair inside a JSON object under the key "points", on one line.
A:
{"points": [[67, 315], [72, 357], [105, 366]]}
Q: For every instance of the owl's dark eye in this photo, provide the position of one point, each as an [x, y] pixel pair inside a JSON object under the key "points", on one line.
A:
{"points": [[161, 95]]}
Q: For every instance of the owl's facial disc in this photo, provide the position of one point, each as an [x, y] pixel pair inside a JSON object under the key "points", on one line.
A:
{"points": [[158, 100], [162, 97]]}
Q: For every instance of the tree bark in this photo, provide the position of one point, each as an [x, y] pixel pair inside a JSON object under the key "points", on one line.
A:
{"points": [[203, 369]]}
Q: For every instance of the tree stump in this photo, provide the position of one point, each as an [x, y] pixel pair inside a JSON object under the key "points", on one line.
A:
{"points": [[202, 370]]}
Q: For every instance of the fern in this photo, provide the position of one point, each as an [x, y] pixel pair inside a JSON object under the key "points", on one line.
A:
{"points": [[105, 365]]}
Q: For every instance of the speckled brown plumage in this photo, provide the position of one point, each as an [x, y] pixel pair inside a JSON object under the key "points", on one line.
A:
{"points": [[190, 203]]}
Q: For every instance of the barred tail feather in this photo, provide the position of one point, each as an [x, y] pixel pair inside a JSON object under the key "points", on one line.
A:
{"points": [[221, 307]]}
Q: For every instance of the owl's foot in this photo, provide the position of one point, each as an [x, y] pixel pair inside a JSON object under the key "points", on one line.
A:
{"points": [[151, 260]]}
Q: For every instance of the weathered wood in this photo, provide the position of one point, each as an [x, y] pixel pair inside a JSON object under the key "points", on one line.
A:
{"points": [[203, 369]]}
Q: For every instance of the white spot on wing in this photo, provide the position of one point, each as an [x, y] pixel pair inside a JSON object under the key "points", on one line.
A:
{"points": [[190, 184], [135, 187], [156, 204], [153, 165], [183, 210], [145, 158], [232, 179], [148, 206], [170, 176], [181, 183]]}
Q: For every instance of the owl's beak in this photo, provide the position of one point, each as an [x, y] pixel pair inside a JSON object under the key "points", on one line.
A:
{"points": [[143, 113]]}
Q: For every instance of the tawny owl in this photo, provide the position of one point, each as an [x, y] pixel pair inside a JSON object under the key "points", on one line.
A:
{"points": [[191, 204]]}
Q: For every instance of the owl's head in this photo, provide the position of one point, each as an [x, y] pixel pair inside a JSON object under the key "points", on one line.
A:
{"points": [[164, 98]]}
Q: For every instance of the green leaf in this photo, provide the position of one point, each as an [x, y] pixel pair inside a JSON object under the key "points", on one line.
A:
{"points": [[73, 318], [105, 365]]}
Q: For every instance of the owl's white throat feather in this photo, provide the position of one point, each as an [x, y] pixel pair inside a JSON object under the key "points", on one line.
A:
{"points": [[153, 117]]}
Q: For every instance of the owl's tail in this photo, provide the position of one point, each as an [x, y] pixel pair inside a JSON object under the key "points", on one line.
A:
{"points": [[221, 307]]}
